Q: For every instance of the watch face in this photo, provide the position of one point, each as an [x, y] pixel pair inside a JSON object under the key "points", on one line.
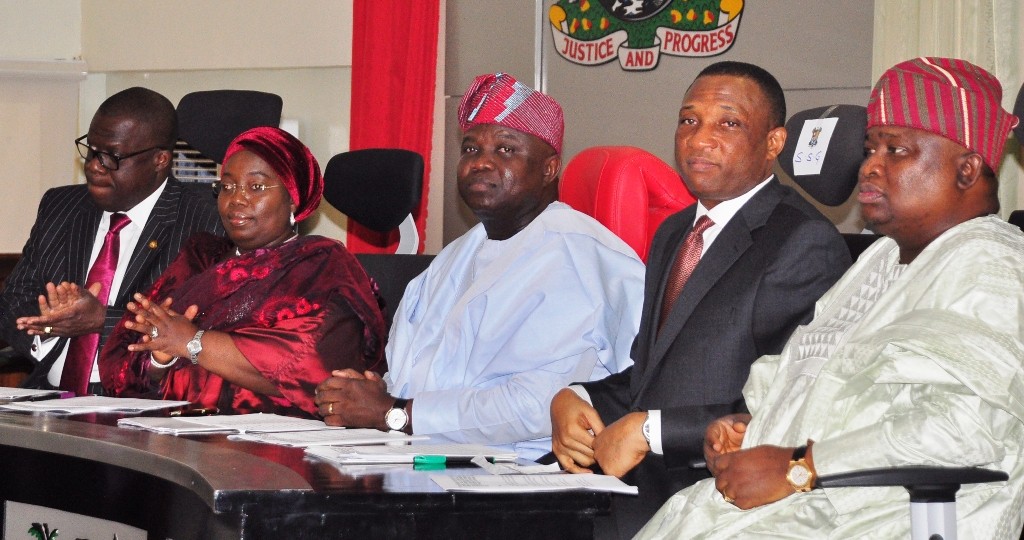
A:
{"points": [[193, 347], [396, 419], [799, 475]]}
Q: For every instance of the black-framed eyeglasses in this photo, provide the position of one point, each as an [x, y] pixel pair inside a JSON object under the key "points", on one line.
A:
{"points": [[229, 188], [109, 161]]}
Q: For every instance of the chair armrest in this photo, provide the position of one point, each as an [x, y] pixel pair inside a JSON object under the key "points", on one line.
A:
{"points": [[925, 484]]}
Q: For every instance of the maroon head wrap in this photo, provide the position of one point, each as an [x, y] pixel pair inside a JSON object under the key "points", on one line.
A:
{"points": [[290, 159], [946, 96], [500, 99]]}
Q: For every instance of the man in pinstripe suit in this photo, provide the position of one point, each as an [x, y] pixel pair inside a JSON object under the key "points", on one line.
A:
{"points": [[128, 157]]}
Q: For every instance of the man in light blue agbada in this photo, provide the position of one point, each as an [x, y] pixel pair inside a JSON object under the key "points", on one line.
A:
{"points": [[534, 297]]}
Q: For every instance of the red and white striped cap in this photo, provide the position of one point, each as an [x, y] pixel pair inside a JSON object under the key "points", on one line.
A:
{"points": [[946, 96], [500, 99]]}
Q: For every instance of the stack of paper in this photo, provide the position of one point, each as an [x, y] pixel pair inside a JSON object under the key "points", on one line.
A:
{"points": [[21, 394], [523, 483], [339, 436], [90, 404], [347, 455], [239, 423]]}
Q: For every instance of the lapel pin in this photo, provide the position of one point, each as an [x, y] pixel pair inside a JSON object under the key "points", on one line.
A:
{"points": [[152, 244]]}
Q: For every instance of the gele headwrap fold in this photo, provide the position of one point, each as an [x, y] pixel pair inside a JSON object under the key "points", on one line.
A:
{"points": [[946, 96], [290, 159], [500, 99]]}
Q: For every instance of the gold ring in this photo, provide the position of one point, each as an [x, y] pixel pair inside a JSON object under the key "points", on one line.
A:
{"points": [[47, 329], [330, 408], [728, 499]]}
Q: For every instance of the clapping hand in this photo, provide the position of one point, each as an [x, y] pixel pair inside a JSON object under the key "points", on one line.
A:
{"points": [[165, 331], [66, 310]]}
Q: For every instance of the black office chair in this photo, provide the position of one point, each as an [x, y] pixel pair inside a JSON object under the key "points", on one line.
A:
{"points": [[378, 188], [209, 120], [1017, 218], [828, 172], [393, 272]]}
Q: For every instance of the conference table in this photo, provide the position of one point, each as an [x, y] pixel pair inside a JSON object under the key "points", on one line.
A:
{"points": [[83, 473]]}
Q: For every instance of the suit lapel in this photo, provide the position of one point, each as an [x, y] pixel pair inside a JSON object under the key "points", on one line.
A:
{"points": [[732, 242], [155, 238], [81, 240]]}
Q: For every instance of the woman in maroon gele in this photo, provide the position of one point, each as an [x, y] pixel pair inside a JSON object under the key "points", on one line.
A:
{"points": [[251, 322]]}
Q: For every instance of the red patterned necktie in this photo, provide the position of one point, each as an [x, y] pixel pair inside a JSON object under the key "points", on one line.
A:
{"points": [[82, 351], [686, 260]]}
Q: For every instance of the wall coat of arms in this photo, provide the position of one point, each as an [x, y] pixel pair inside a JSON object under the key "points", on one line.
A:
{"points": [[638, 32]]}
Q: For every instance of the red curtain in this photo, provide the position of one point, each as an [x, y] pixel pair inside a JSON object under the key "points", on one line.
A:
{"points": [[394, 64]]}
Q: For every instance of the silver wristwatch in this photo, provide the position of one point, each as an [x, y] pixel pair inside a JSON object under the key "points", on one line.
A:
{"points": [[645, 429], [397, 418], [195, 346]]}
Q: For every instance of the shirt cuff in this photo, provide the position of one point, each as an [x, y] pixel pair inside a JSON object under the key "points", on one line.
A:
{"points": [[582, 393], [654, 422]]}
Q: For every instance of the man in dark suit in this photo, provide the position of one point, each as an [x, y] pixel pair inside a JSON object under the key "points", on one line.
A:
{"points": [[763, 257], [46, 302]]}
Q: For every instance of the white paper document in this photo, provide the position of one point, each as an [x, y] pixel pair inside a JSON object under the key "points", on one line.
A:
{"points": [[18, 394], [90, 404], [515, 483], [346, 455], [514, 468], [234, 423], [328, 437]]}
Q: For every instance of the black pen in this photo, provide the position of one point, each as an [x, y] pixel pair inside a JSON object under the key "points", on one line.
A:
{"points": [[202, 411]]}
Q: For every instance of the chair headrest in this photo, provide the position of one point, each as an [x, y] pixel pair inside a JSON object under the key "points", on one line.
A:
{"points": [[209, 120], [629, 190], [376, 187], [1017, 218], [825, 164]]}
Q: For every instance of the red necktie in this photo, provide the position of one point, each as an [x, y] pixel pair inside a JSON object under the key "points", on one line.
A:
{"points": [[686, 260], [82, 351]]}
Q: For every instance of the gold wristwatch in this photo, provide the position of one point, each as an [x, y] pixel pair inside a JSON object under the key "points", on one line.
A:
{"points": [[800, 475]]}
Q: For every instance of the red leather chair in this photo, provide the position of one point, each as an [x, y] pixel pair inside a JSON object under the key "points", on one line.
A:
{"points": [[628, 190]]}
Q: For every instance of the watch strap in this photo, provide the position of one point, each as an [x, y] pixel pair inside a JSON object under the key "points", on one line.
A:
{"points": [[198, 340]]}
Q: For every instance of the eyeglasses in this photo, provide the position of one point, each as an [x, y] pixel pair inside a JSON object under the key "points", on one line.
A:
{"points": [[229, 188], [109, 161]]}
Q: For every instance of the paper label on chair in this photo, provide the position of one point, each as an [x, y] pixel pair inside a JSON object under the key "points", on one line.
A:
{"points": [[812, 145]]}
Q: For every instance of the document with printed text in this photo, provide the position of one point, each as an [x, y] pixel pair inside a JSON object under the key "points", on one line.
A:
{"points": [[406, 453], [228, 423], [530, 483], [19, 394], [328, 437], [91, 404]]}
